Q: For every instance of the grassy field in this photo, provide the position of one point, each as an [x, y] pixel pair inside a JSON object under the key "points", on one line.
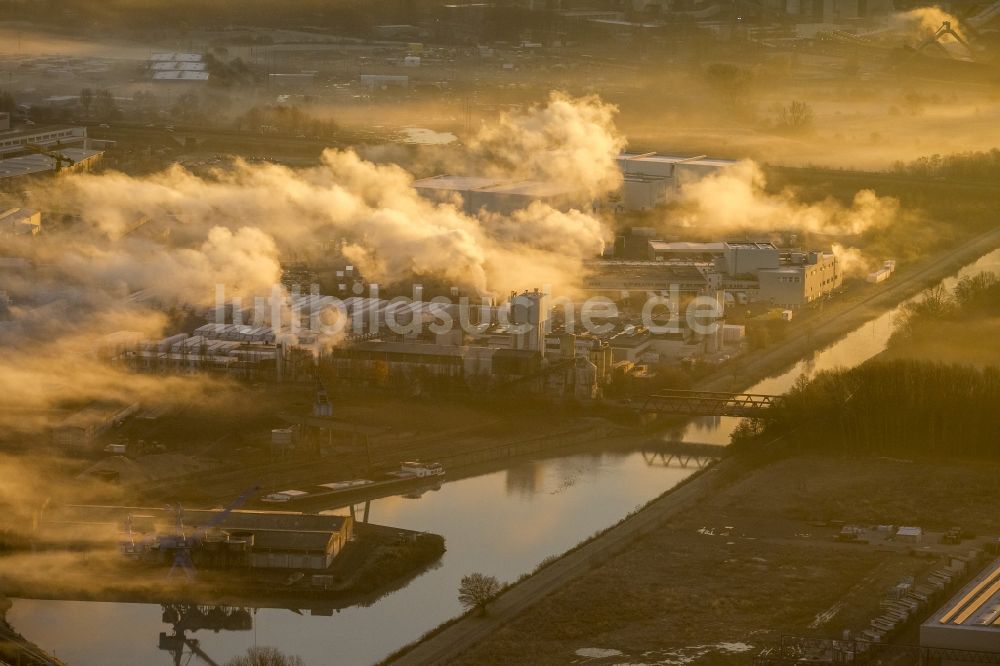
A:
{"points": [[751, 563]]}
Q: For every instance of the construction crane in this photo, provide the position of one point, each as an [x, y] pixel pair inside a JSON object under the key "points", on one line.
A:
{"points": [[59, 158], [935, 39], [178, 543]]}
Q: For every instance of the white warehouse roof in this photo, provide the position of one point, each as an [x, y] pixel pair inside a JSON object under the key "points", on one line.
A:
{"points": [[656, 158]]}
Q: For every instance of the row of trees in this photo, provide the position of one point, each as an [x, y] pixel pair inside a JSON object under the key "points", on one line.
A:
{"points": [[285, 119], [909, 408], [972, 165], [99, 104], [906, 406], [973, 299]]}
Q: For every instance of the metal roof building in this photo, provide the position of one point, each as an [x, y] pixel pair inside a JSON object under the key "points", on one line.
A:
{"points": [[499, 195], [971, 619], [651, 179], [181, 67], [28, 165]]}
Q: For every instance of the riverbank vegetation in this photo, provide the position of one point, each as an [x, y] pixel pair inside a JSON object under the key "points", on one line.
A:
{"points": [[898, 408], [952, 326], [974, 165], [933, 392]]}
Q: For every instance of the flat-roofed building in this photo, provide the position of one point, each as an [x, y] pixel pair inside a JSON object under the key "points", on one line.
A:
{"points": [[266, 539], [384, 81], [651, 179], [15, 141], [15, 170], [498, 195], [969, 621], [20, 222], [295, 550], [178, 67], [748, 257], [684, 251], [82, 429], [786, 278], [806, 278], [616, 278]]}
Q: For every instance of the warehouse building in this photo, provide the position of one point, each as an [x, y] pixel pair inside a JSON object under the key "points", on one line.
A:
{"points": [[969, 621], [618, 279], [16, 172], [648, 180], [255, 539], [651, 180], [82, 429], [498, 195], [14, 141], [745, 270], [20, 222]]}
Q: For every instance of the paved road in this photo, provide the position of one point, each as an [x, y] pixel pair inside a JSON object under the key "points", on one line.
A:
{"points": [[449, 643]]}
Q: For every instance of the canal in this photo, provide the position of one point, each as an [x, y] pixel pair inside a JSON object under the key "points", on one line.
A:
{"points": [[501, 523]]}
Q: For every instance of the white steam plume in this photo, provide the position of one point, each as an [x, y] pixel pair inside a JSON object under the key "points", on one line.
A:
{"points": [[734, 201], [178, 235], [568, 140], [923, 21]]}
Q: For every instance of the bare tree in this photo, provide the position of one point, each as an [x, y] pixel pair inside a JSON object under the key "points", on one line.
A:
{"points": [[265, 656], [796, 117], [477, 590], [86, 100]]}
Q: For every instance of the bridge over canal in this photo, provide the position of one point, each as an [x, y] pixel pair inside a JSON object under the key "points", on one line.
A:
{"points": [[710, 403]]}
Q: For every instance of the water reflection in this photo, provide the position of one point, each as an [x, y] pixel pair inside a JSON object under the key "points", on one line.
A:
{"points": [[502, 523], [525, 479], [188, 618]]}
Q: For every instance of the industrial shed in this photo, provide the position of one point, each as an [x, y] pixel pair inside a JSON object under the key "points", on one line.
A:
{"points": [[296, 550]]}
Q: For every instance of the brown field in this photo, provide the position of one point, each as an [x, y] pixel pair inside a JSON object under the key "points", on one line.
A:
{"points": [[752, 563]]}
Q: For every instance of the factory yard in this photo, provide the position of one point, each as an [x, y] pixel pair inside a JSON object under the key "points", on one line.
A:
{"points": [[753, 557]]}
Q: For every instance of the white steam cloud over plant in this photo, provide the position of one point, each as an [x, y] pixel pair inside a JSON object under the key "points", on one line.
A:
{"points": [[176, 235], [734, 201], [251, 215], [922, 21]]}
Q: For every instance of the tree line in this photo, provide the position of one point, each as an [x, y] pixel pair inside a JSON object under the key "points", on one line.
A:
{"points": [[971, 165], [974, 299], [900, 408], [906, 406]]}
